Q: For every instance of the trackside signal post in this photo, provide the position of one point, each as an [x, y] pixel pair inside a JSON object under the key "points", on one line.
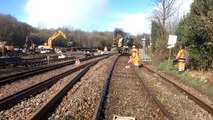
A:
{"points": [[143, 44], [171, 43]]}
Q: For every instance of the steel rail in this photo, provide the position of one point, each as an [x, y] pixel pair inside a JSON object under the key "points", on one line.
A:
{"points": [[49, 106], [153, 96], [15, 98], [201, 103], [99, 107], [22, 75]]}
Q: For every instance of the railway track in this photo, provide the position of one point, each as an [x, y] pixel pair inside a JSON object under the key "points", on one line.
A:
{"points": [[199, 101], [109, 91], [18, 76], [47, 108], [125, 95], [8, 102], [182, 103], [30, 62], [17, 96]]}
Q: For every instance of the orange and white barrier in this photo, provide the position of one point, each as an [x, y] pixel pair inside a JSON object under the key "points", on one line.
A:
{"points": [[77, 62]]}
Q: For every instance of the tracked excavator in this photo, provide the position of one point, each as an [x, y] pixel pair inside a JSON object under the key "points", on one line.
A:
{"points": [[47, 47], [122, 42]]}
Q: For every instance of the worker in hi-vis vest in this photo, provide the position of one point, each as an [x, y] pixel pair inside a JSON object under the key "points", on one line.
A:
{"points": [[133, 58], [181, 57]]}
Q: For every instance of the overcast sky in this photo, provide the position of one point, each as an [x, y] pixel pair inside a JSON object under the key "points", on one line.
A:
{"points": [[87, 15]]}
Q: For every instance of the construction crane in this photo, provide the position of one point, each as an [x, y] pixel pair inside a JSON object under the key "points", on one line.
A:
{"points": [[48, 46], [122, 43]]}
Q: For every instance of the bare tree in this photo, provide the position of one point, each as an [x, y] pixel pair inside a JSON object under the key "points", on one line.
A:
{"points": [[164, 10], [164, 19]]}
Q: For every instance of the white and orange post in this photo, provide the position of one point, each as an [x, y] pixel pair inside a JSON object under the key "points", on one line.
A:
{"points": [[77, 61]]}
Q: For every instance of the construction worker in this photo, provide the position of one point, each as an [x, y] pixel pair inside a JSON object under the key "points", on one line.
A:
{"points": [[181, 57], [135, 55], [133, 58]]}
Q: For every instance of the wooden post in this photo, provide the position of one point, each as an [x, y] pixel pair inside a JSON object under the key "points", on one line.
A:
{"points": [[170, 52]]}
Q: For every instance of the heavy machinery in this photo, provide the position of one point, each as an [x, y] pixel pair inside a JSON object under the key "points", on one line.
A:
{"points": [[29, 46], [122, 43], [47, 47], [1, 47], [5, 44]]}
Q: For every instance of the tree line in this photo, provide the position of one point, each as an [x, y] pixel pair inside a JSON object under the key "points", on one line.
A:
{"points": [[15, 33]]}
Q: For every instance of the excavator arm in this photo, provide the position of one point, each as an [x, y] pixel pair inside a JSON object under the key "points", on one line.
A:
{"points": [[120, 32], [51, 38], [49, 43], [117, 32]]}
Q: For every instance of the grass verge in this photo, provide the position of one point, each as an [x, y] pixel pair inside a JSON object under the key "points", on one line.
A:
{"points": [[167, 66]]}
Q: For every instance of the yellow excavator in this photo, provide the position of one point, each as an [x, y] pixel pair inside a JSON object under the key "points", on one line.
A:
{"points": [[122, 43], [1, 47], [48, 46]]}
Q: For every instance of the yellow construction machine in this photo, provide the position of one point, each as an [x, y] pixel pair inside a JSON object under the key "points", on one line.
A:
{"points": [[47, 47], [1, 47], [122, 43]]}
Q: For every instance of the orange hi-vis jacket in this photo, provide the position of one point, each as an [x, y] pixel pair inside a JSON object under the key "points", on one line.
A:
{"points": [[181, 56], [135, 56]]}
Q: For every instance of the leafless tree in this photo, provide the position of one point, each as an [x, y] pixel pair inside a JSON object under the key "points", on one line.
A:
{"points": [[164, 19], [164, 10]]}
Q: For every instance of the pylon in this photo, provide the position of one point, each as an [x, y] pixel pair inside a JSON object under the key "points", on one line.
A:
{"points": [[77, 62]]}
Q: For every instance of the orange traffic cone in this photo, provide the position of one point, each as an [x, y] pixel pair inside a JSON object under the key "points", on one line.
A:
{"points": [[77, 62]]}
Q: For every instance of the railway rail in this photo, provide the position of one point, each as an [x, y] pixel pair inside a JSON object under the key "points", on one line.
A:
{"points": [[102, 91], [20, 62], [199, 101], [18, 76], [15, 98], [47, 108], [114, 101]]}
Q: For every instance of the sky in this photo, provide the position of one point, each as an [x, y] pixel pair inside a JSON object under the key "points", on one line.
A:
{"points": [[88, 15]]}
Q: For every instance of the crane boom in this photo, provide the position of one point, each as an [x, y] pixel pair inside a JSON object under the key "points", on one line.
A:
{"points": [[56, 34], [119, 31], [51, 38]]}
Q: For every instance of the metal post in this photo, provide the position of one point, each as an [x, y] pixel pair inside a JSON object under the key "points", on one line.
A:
{"points": [[143, 44]]}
